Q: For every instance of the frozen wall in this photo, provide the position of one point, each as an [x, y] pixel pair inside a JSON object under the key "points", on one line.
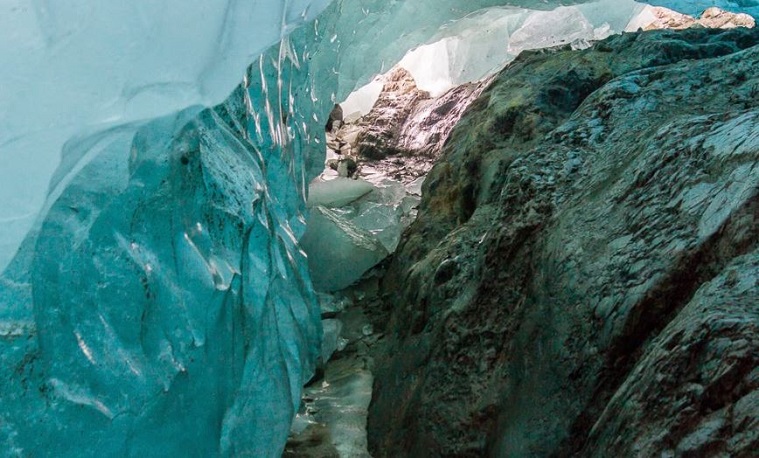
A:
{"points": [[163, 304], [77, 65]]}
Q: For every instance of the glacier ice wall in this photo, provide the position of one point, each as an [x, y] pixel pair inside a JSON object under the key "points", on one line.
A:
{"points": [[483, 42], [171, 308], [160, 304], [72, 65]]}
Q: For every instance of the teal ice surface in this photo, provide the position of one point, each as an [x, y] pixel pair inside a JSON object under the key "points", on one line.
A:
{"points": [[162, 305]]}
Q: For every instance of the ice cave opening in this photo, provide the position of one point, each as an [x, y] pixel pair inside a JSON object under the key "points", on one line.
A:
{"points": [[183, 241]]}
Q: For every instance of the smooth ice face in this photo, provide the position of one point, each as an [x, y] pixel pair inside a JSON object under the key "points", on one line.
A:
{"points": [[337, 192], [339, 251], [352, 226], [71, 67], [163, 303], [485, 41]]}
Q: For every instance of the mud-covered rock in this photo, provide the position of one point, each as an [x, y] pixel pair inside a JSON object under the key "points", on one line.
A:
{"points": [[582, 276]]}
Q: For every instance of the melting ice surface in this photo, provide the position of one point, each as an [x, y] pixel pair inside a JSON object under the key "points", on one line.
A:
{"points": [[68, 67], [158, 301], [160, 304]]}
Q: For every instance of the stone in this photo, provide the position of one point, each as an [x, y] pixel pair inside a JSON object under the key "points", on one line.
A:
{"points": [[405, 130], [582, 277], [335, 118], [656, 17]]}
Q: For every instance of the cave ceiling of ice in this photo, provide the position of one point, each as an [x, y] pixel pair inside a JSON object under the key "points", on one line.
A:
{"points": [[125, 289], [70, 68]]}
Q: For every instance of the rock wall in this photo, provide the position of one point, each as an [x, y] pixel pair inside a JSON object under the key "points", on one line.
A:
{"points": [[403, 134], [407, 120], [655, 17], [583, 275]]}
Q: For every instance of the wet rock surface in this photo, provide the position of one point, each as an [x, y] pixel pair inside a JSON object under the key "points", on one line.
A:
{"points": [[582, 277], [403, 134], [381, 136]]}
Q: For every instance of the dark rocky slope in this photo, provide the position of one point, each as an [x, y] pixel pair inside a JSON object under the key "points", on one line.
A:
{"points": [[583, 277]]}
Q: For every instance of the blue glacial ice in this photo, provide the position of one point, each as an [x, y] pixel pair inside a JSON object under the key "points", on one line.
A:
{"points": [[161, 303], [80, 65], [170, 304]]}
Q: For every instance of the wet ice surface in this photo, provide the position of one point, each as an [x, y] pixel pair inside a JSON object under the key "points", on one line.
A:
{"points": [[332, 418], [349, 232], [353, 225], [336, 192], [163, 303], [94, 64]]}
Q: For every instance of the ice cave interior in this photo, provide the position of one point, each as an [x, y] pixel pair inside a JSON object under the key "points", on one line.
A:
{"points": [[168, 229]]}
